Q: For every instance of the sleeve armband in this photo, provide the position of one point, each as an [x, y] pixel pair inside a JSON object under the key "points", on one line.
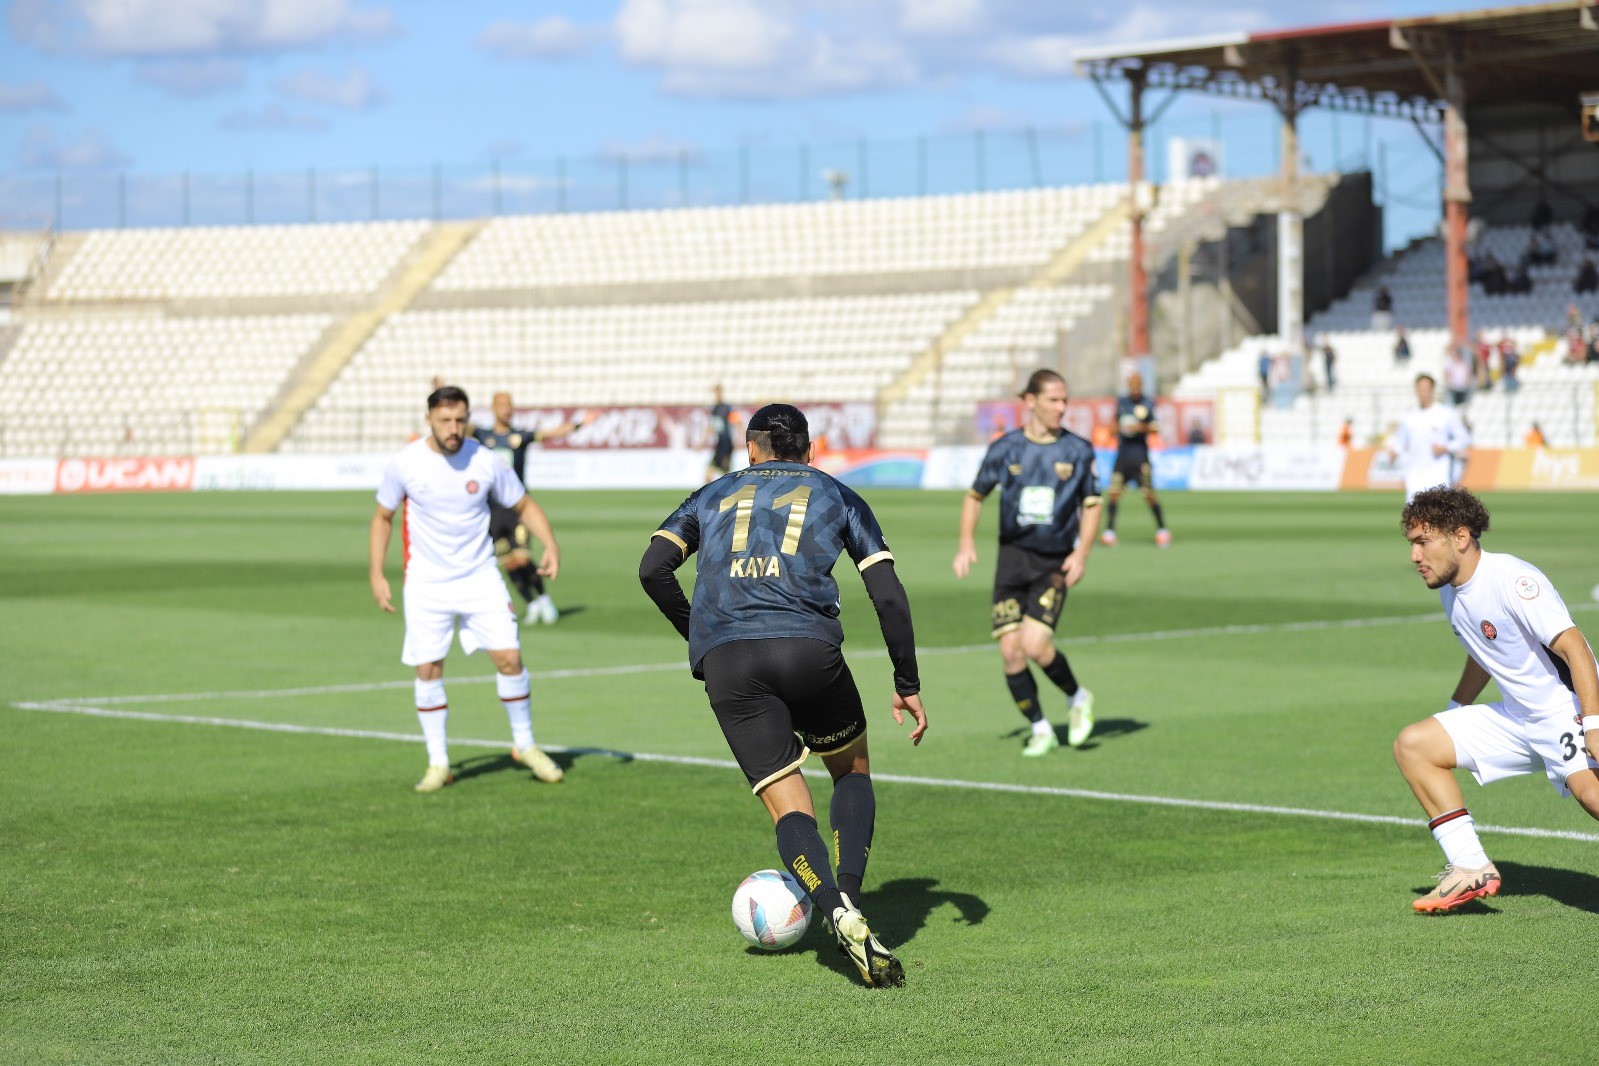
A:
{"points": [[1091, 501], [978, 496], [666, 534], [873, 560]]}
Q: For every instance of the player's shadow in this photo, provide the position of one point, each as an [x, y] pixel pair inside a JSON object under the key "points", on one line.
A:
{"points": [[899, 909], [1570, 888], [478, 765], [1104, 729]]}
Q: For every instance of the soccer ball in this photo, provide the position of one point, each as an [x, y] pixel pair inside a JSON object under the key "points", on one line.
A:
{"points": [[771, 909]]}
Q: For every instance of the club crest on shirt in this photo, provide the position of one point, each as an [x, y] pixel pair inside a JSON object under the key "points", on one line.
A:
{"points": [[1016, 470], [1526, 587], [1141, 413], [1064, 470], [516, 440], [1488, 630], [471, 488]]}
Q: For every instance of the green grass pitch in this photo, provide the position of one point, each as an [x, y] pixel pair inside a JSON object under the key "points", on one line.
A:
{"points": [[186, 892]]}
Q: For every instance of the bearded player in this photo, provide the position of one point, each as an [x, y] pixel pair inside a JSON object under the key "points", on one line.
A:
{"points": [[1516, 631]]}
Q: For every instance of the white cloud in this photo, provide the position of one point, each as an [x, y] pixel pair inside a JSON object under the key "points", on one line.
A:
{"points": [[178, 27], [272, 118], [550, 39], [41, 149], [940, 17], [748, 50], [192, 78], [35, 96], [355, 91], [652, 149]]}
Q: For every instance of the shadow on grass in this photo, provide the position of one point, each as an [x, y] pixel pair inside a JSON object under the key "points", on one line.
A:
{"points": [[1104, 729], [478, 765], [1570, 888], [897, 910]]}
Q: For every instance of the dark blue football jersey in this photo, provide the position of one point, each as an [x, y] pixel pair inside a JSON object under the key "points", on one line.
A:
{"points": [[512, 447], [1139, 409], [767, 539], [1043, 486]]}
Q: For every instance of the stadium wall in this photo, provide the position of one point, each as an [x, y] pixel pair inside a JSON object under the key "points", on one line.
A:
{"points": [[1199, 467]]}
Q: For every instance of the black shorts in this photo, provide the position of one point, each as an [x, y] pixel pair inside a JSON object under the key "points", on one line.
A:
{"points": [[722, 458], [780, 699], [1027, 585], [1131, 470], [507, 531]]}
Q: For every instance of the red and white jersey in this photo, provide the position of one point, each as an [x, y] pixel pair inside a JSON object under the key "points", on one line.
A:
{"points": [[1418, 431], [446, 500], [1507, 615]]}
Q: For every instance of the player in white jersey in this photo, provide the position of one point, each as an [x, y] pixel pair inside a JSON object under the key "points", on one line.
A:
{"points": [[1431, 442], [1517, 632], [445, 481]]}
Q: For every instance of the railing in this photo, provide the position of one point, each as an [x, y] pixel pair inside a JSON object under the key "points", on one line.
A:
{"points": [[1498, 417], [1075, 153]]}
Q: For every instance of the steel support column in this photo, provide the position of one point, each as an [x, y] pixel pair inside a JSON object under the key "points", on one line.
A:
{"points": [[1457, 198], [1137, 276]]}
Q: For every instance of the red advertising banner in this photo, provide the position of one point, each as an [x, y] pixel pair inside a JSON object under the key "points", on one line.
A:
{"points": [[126, 474], [847, 426], [1179, 421]]}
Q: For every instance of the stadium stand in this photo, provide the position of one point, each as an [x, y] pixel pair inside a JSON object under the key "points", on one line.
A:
{"points": [[1373, 388]]}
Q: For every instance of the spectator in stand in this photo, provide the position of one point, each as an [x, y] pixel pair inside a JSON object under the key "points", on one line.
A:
{"points": [[1382, 308], [1573, 317], [1576, 346], [1590, 227], [1482, 362], [1401, 348], [1587, 279], [1264, 368], [1493, 277], [1543, 214], [1534, 437], [1519, 282], [1541, 250], [1457, 378], [1329, 360], [1509, 363], [1591, 355], [1346, 435]]}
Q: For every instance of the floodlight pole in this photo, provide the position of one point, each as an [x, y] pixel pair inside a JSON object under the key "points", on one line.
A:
{"points": [[1137, 276], [1457, 197], [1290, 221]]}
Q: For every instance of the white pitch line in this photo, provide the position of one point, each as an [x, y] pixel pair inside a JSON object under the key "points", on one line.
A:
{"points": [[902, 779], [1251, 629]]}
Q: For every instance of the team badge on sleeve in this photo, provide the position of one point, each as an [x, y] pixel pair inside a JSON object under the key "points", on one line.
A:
{"points": [[1488, 630], [1526, 587]]}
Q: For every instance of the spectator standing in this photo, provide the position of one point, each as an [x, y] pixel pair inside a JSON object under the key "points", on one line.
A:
{"points": [[1457, 378], [1402, 349]]}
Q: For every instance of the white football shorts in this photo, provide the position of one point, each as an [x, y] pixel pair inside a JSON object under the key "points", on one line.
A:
{"points": [[478, 600], [1494, 743]]}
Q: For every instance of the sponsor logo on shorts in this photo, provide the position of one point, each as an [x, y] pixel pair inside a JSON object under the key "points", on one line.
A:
{"points": [[471, 488], [1488, 630], [1526, 588]]}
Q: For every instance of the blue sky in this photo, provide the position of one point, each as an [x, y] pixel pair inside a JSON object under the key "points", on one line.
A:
{"points": [[216, 86]]}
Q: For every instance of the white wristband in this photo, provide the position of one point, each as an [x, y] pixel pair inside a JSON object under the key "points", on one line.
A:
{"points": [[1590, 723]]}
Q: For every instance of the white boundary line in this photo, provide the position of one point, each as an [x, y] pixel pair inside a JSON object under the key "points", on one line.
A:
{"points": [[1255, 629], [691, 760]]}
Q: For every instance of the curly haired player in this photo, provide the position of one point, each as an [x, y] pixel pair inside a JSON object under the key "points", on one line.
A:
{"points": [[1517, 631]]}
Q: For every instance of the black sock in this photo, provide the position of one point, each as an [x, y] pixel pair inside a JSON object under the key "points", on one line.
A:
{"points": [[519, 578], [1110, 515], [853, 814], [1024, 690], [1160, 519], [800, 845], [1060, 672]]}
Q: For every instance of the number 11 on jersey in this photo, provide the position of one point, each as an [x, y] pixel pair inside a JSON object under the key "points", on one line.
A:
{"points": [[744, 500]]}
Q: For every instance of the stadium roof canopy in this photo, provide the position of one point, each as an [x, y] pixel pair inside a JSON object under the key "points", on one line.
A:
{"points": [[1537, 53]]}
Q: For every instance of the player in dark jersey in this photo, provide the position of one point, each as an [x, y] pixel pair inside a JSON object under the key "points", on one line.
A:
{"points": [[1048, 512], [764, 635], [723, 419], [1135, 421], [512, 541]]}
